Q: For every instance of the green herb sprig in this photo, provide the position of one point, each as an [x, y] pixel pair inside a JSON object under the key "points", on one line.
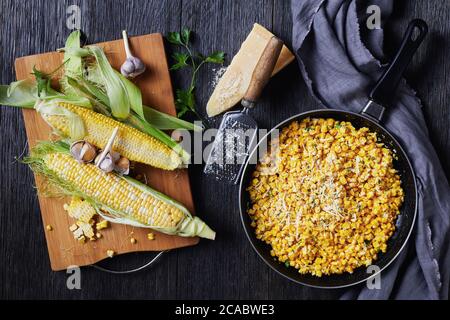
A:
{"points": [[185, 98]]}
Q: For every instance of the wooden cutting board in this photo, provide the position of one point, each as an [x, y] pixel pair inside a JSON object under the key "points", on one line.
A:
{"points": [[156, 89]]}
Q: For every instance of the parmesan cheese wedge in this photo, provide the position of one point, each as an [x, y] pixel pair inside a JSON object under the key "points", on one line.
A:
{"points": [[235, 81]]}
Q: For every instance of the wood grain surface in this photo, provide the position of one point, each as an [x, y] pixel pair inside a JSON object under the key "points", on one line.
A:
{"points": [[156, 88], [227, 267]]}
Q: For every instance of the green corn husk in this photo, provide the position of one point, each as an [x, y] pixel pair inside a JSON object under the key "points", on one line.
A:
{"points": [[76, 124], [122, 97], [23, 94], [165, 121], [20, 93]]}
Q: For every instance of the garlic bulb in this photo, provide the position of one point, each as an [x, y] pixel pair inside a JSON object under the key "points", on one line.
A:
{"points": [[133, 66], [109, 160]]}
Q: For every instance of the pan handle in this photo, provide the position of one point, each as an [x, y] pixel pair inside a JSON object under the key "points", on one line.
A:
{"points": [[384, 91]]}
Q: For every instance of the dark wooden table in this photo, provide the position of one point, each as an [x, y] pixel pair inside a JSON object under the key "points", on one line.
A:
{"points": [[227, 267]]}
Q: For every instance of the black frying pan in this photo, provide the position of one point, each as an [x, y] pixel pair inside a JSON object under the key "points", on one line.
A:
{"points": [[369, 117]]}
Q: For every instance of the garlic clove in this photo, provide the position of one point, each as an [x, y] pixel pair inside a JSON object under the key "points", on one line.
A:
{"points": [[122, 166], [115, 155], [107, 164], [75, 149], [88, 152], [83, 151]]}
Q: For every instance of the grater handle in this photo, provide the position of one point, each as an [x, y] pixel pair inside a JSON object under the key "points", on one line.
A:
{"points": [[263, 71]]}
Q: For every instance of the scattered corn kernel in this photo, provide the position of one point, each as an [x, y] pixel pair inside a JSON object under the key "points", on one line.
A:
{"points": [[150, 236], [98, 235], [102, 225], [78, 233], [49, 227], [110, 253], [326, 197], [133, 240], [82, 239]]}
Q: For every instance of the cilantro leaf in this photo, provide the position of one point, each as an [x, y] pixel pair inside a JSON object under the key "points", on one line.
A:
{"points": [[182, 113], [174, 38], [184, 101], [181, 61], [185, 35], [216, 57]]}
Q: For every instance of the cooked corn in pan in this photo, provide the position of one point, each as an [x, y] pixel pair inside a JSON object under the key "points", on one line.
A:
{"points": [[325, 197]]}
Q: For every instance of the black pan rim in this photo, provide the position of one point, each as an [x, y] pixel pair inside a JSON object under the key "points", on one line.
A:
{"points": [[241, 211]]}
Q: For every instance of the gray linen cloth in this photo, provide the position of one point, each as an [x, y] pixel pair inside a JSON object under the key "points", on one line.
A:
{"points": [[340, 68]]}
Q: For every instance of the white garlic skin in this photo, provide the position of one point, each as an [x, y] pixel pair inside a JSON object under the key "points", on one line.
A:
{"points": [[132, 67], [122, 166], [107, 164]]}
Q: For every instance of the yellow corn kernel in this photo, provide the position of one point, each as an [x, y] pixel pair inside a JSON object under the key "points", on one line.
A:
{"points": [[102, 225], [150, 236], [49, 227], [110, 253]]}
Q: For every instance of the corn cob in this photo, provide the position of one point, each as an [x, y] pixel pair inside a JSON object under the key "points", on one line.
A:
{"points": [[84, 213], [87, 229], [126, 199], [130, 142], [80, 210]]}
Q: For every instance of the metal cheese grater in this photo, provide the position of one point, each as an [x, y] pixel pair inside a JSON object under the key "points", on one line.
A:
{"points": [[237, 132]]}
